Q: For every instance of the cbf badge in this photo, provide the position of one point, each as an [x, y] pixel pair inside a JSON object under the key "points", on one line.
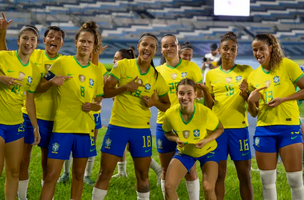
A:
{"points": [[47, 67], [55, 148], [174, 76], [257, 141], [81, 78], [108, 143], [186, 134]]}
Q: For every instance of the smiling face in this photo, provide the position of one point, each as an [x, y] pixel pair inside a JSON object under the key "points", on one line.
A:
{"points": [[228, 50], [169, 47], [186, 95], [186, 54], [53, 42], [147, 49], [85, 43], [262, 52], [27, 42]]}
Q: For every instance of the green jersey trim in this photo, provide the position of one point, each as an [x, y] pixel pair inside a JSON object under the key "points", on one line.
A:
{"points": [[24, 65], [80, 64], [182, 116]]}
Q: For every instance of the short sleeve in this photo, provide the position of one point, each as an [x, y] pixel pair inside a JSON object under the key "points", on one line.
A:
{"points": [[212, 121], [36, 77], [56, 68], [161, 88], [293, 70], [166, 124], [118, 70], [100, 84], [103, 69], [250, 82], [198, 78], [208, 82]]}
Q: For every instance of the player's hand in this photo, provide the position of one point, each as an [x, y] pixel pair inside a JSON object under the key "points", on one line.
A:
{"points": [[201, 143], [100, 49], [133, 85], [275, 102], [6, 80], [149, 101], [36, 136], [201, 86], [86, 107], [255, 95], [113, 98], [59, 80], [180, 143], [243, 86], [4, 24]]}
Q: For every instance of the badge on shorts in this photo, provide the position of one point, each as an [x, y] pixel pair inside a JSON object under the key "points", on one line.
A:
{"points": [[21, 75], [160, 143], [186, 134], [228, 79], [81, 78], [47, 67], [55, 148], [21, 128], [108, 143], [174, 76], [257, 141]]}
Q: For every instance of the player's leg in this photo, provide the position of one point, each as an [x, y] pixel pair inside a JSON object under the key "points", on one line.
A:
{"points": [[176, 171], [157, 169], [302, 131], [291, 150], [141, 166], [113, 146], [240, 153], [79, 165], [2, 144], [222, 142], [166, 151], [192, 183], [66, 170], [121, 166]]}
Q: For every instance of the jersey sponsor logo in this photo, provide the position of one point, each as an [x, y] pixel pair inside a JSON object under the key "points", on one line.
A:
{"points": [[10, 71], [276, 80], [108, 143], [29, 80], [267, 83], [184, 74], [228, 79], [82, 78], [160, 143], [257, 141], [47, 67], [238, 78], [186, 134], [55, 148], [174, 76], [91, 82], [294, 137], [196, 134], [244, 154], [21, 75], [147, 86]]}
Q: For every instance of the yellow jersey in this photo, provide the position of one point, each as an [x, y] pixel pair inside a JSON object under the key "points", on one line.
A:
{"points": [[12, 97], [229, 105], [173, 75], [280, 83], [86, 84], [191, 132], [45, 104], [129, 109]]}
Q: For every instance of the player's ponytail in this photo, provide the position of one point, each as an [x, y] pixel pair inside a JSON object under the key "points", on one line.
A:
{"points": [[229, 36], [91, 27], [277, 53], [156, 40], [126, 53]]}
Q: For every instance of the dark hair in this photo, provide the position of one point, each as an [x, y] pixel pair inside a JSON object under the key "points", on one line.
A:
{"points": [[29, 28], [277, 53], [153, 36], [126, 53], [54, 28], [229, 36], [91, 27], [170, 35], [186, 81], [185, 45]]}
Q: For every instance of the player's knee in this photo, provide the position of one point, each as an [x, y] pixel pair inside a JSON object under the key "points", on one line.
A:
{"points": [[170, 187], [268, 178], [221, 174], [244, 175], [208, 187], [192, 176], [105, 174], [13, 172], [142, 175], [294, 179], [78, 175]]}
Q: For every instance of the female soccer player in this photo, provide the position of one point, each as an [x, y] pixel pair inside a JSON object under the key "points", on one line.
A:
{"points": [[186, 51], [228, 87], [19, 78], [73, 130], [130, 121], [191, 123], [174, 70], [273, 100]]}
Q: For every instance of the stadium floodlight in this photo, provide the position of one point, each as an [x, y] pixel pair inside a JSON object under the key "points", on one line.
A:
{"points": [[232, 8]]}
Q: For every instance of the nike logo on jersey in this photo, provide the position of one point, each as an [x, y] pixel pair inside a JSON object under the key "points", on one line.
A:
{"points": [[216, 81], [146, 151], [258, 85], [129, 77], [70, 74], [294, 137], [244, 154], [9, 71]]}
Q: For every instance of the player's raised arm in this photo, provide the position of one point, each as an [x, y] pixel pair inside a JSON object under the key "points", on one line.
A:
{"points": [[4, 24]]}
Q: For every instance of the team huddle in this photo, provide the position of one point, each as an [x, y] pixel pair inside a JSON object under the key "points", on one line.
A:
{"points": [[54, 101]]}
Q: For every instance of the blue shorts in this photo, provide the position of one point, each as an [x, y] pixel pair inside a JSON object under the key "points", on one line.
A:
{"points": [[116, 139], [97, 119], [269, 139], [189, 161], [81, 145], [11, 133], [45, 129], [236, 143], [163, 144]]}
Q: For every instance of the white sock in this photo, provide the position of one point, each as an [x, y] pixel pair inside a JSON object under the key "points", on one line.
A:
{"points": [[155, 167], [193, 188], [296, 184], [269, 184], [67, 165], [143, 196], [22, 189], [98, 194], [163, 188], [42, 182], [122, 167], [89, 166]]}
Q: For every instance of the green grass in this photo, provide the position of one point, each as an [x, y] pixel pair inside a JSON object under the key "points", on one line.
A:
{"points": [[124, 188]]}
